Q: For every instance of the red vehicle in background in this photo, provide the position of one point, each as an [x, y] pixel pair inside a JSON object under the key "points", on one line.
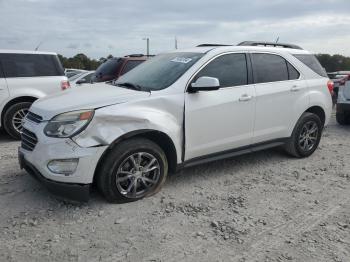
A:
{"points": [[115, 67]]}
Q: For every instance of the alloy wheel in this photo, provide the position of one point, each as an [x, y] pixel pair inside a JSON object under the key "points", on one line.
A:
{"points": [[18, 118], [308, 136], [138, 174]]}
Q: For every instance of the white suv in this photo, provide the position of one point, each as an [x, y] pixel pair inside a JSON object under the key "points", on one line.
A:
{"points": [[24, 77], [176, 110]]}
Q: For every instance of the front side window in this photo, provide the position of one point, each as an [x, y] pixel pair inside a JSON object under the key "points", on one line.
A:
{"points": [[30, 65], [160, 71], [269, 68], [230, 69]]}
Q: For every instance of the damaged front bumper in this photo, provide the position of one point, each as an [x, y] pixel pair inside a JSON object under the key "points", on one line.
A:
{"points": [[36, 161], [76, 192]]}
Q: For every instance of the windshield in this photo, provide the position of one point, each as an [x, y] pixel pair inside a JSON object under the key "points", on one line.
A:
{"points": [[108, 70], [75, 77], [161, 71], [109, 67]]}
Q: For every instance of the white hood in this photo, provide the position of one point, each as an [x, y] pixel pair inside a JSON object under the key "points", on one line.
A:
{"points": [[85, 97]]}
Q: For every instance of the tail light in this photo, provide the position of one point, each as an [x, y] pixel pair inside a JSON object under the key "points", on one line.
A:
{"points": [[65, 84], [330, 86]]}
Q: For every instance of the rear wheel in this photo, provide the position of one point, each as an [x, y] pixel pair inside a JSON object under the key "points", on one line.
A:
{"points": [[13, 118], [134, 169], [306, 136]]}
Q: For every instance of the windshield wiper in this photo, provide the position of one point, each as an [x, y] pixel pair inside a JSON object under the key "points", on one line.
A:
{"points": [[130, 86]]}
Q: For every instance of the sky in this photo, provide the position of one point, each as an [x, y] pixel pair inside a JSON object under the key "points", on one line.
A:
{"points": [[101, 27]]}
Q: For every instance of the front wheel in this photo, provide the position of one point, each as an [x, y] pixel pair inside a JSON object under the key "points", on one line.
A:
{"points": [[306, 136], [132, 170]]}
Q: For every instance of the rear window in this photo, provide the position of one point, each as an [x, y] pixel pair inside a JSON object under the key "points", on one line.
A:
{"points": [[312, 62], [30, 65]]}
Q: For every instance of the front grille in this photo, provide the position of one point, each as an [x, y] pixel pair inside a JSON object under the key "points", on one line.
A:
{"points": [[29, 140], [34, 117]]}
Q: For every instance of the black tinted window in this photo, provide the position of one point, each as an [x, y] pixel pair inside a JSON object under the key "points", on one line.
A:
{"points": [[231, 70], [312, 62], [292, 72], [130, 65], [269, 68], [110, 67], [30, 65]]}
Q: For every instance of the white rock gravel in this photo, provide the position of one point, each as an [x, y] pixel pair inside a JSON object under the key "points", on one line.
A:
{"points": [[260, 207]]}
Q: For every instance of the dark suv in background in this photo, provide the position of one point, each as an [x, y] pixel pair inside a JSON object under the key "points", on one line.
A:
{"points": [[115, 67]]}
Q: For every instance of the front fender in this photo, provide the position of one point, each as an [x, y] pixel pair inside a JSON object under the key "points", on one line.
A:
{"points": [[110, 123]]}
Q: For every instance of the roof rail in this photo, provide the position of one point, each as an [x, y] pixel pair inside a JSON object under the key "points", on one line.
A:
{"points": [[208, 45], [268, 44], [135, 55]]}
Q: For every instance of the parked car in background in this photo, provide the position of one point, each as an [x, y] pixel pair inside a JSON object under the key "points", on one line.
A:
{"points": [[82, 78], [338, 81], [115, 67], [343, 103], [176, 110], [69, 72], [24, 77]]}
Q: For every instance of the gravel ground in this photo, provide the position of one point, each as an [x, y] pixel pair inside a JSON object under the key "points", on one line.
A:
{"points": [[260, 207]]}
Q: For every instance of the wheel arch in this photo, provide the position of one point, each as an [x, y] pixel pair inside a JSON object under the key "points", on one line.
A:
{"points": [[158, 137], [14, 101], [317, 110]]}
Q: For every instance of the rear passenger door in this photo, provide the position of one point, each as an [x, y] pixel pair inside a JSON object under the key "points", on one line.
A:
{"points": [[279, 92], [220, 120]]}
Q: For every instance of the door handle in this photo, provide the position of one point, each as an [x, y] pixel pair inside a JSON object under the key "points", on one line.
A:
{"points": [[245, 97], [295, 88]]}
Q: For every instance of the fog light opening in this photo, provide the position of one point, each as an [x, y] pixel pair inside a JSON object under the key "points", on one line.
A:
{"points": [[63, 166]]}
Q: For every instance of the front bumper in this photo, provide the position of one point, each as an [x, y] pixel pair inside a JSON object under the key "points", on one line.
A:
{"points": [[74, 186], [77, 192]]}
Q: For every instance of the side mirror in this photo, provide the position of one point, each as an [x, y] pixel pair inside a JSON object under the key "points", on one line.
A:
{"points": [[81, 81], [205, 83]]}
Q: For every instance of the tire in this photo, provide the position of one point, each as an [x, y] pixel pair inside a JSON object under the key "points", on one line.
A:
{"points": [[301, 143], [119, 163], [13, 117], [342, 119]]}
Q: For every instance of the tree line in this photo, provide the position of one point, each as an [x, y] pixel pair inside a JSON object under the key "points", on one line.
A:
{"points": [[80, 61]]}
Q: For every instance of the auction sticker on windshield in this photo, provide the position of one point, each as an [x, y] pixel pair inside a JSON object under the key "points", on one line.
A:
{"points": [[183, 60]]}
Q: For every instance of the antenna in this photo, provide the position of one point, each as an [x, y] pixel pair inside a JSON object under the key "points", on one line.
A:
{"points": [[278, 38], [37, 47]]}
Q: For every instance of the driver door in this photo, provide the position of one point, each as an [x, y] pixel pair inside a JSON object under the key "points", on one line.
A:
{"points": [[220, 120]]}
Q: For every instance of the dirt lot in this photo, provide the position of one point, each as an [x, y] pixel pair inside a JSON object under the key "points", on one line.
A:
{"points": [[260, 207]]}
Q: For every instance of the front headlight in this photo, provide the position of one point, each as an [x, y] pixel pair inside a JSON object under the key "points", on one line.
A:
{"points": [[68, 124]]}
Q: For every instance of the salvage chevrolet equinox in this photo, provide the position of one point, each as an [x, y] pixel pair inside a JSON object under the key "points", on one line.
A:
{"points": [[176, 110]]}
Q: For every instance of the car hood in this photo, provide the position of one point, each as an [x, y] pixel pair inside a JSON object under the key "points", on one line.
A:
{"points": [[88, 96]]}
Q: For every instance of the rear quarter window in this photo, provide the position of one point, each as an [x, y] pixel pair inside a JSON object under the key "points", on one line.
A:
{"points": [[312, 62], [30, 65]]}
